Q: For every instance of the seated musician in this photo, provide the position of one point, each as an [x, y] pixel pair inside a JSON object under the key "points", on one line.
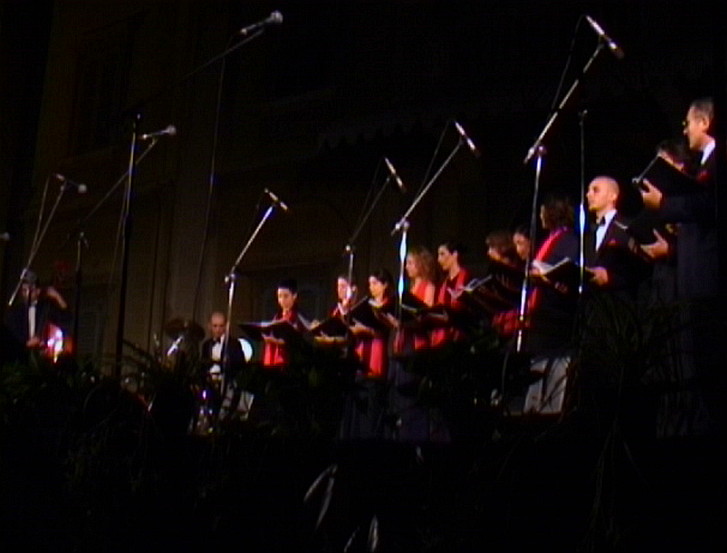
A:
{"points": [[277, 353], [28, 321], [217, 362]]}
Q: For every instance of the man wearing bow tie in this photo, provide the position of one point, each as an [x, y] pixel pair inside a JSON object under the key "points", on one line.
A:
{"points": [[609, 250], [213, 350]]}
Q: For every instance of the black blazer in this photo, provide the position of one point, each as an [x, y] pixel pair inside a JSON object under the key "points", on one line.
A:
{"points": [[697, 256], [626, 268], [235, 358]]}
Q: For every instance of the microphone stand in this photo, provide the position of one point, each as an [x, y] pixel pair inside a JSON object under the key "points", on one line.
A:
{"points": [[231, 282], [582, 208], [538, 150], [533, 151], [37, 242], [213, 155], [403, 224], [111, 190], [80, 245], [349, 249], [523, 307], [125, 243]]}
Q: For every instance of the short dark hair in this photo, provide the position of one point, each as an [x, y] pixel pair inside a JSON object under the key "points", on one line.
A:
{"points": [[384, 277], [453, 246], [289, 284], [523, 230]]}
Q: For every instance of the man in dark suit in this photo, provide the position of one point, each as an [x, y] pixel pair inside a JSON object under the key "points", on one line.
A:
{"points": [[27, 321], [697, 262], [609, 251], [696, 247], [217, 362], [221, 363]]}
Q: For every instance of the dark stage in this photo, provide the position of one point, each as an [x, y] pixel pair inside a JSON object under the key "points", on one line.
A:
{"points": [[166, 160]]}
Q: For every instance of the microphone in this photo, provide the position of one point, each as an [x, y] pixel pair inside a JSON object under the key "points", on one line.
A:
{"points": [[275, 18], [5, 237], [467, 140], [394, 175], [170, 130], [276, 200], [615, 49], [82, 188]]}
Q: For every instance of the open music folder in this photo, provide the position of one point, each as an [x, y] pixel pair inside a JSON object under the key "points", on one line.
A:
{"points": [[668, 179], [280, 330], [566, 272], [332, 327], [370, 316]]}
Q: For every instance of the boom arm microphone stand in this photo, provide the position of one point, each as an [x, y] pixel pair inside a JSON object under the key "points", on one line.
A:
{"points": [[126, 216], [231, 282], [213, 156], [349, 250], [537, 150], [403, 224]]}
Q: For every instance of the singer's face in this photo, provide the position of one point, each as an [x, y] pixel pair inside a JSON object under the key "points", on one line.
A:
{"points": [[412, 267], [601, 196], [286, 299], [696, 128], [522, 245], [377, 289], [342, 289], [445, 258], [29, 292]]}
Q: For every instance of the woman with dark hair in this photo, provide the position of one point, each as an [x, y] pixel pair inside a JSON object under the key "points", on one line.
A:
{"points": [[345, 296], [521, 241], [556, 213], [501, 248], [456, 277], [277, 354], [372, 322], [372, 343], [550, 309]]}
